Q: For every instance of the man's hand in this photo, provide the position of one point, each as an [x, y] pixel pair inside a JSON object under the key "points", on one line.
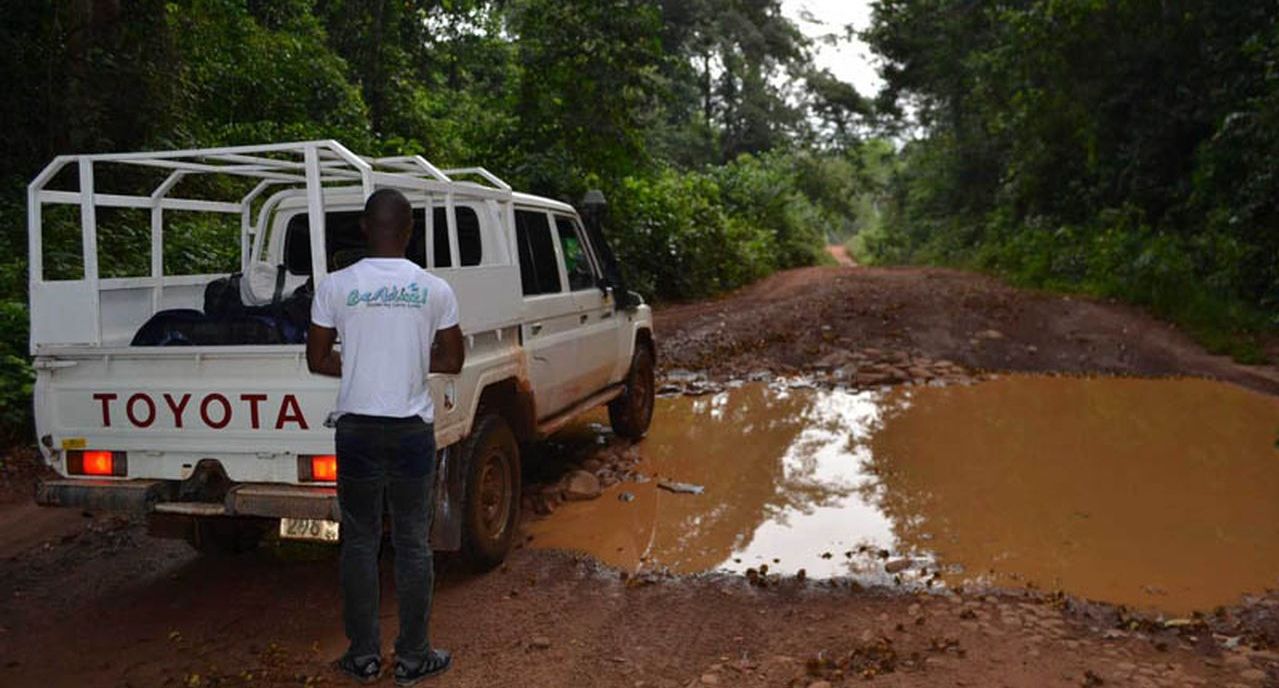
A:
{"points": [[321, 359], [448, 352]]}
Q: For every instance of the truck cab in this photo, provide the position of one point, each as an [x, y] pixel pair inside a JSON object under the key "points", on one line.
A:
{"points": [[168, 325]]}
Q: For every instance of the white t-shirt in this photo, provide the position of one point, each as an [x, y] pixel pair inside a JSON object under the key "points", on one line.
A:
{"points": [[386, 312]]}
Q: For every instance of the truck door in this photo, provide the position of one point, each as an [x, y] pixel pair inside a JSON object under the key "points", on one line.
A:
{"points": [[597, 325], [550, 320]]}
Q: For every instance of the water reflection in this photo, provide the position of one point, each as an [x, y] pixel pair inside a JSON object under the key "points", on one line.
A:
{"points": [[1154, 493]]}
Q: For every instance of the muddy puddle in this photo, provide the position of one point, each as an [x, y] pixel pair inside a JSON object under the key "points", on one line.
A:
{"points": [[1157, 494]]}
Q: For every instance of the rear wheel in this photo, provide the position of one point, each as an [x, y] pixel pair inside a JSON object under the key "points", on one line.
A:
{"points": [[492, 508], [221, 536], [631, 413]]}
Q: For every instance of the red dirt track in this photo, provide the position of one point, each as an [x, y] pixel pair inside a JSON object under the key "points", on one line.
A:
{"points": [[793, 318]]}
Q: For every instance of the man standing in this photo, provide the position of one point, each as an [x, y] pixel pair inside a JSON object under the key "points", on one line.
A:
{"points": [[389, 315]]}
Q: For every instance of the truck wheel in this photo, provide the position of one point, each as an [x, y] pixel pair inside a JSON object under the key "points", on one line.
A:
{"points": [[631, 413], [492, 508], [222, 536]]}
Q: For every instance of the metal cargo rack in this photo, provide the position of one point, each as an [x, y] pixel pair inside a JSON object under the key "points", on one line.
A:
{"points": [[68, 311]]}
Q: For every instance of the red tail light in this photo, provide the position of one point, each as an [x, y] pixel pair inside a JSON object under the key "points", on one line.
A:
{"points": [[97, 462], [324, 468], [319, 468]]}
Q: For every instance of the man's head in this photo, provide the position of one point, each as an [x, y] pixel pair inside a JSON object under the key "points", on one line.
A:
{"points": [[387, 223]]}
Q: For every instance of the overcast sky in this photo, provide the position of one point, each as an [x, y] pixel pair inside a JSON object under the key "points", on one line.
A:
{"points": [[850, 60]]}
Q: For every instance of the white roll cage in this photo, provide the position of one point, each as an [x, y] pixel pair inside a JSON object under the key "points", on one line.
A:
{"points": [[315, 166]]}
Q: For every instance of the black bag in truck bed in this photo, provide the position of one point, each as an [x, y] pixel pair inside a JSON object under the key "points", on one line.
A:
{"points": [[226, 321]]}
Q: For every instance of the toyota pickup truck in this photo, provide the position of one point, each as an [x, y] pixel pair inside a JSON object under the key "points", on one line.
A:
{"points": [[174, 385]]}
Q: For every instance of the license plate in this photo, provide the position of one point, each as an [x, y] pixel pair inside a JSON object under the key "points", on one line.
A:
{"points": [[318, 529]]}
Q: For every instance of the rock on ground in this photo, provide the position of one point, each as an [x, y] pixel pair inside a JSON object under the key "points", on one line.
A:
{"points": [[581, 486]]}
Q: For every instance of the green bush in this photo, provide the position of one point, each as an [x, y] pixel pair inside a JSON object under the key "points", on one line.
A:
{"points": [[16, 376], [684, 235], [763, 192], [1188, 280], [675, 240]]}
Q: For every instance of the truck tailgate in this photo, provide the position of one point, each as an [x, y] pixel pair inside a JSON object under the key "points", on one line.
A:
{"points": [[171, 407]]}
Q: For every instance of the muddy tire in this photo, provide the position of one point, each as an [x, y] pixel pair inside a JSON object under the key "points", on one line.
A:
{"points": [[631, 413], [222, 536], [491, 511]]}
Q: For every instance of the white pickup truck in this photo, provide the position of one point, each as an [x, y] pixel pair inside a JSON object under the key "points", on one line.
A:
{"points": [[187, 396]]}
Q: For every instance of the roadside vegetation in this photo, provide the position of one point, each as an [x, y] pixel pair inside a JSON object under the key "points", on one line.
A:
{"points": [[1120, 149]]}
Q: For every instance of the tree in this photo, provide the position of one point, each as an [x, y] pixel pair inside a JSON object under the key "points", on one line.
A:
{"points": [[839, 109], [589, 89], [737, 65]]}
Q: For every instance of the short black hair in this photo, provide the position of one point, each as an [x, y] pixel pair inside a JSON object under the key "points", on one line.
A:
{"points": [[387, 210]]}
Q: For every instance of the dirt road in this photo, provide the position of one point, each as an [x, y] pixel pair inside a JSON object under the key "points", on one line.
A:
{"points": [[795, 318], [94, 601], [840, 254]]}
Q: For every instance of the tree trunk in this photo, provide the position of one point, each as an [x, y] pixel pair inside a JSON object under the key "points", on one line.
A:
{"points": [[377, 89]]}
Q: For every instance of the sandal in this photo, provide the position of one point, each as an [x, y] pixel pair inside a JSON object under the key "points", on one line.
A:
{"points": [[435, 663], [366, 671]]}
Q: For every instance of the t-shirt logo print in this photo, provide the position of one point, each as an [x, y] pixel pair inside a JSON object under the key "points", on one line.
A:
{"points": [[386, 312], [410, 296]]}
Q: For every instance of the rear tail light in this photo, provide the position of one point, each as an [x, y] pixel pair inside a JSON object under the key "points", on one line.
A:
{"points": [[318, 468], [98, 462]]}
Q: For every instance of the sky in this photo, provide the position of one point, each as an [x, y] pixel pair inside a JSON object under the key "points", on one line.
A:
{"points": [[850, 61]]}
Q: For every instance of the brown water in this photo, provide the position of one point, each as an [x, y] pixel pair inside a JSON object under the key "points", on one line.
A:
{"points": [[1151, 493]]}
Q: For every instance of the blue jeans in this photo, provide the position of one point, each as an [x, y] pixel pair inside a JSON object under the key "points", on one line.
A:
{"points": [[392, 461]]}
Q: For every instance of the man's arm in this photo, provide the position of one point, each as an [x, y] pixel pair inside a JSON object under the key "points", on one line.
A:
{"points": [[321, 359], [448, 352]]}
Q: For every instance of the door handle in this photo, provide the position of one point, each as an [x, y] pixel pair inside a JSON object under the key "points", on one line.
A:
{"points": [[583, 318], [535, 329]]}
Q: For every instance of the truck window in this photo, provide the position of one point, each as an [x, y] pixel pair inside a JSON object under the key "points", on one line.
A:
{"points": [[577, 261], [539, 272], [342, 241], [468, 237]]}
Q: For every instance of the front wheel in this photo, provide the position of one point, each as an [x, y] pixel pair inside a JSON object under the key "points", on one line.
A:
{"points": [[492, 507], [631, 413]]}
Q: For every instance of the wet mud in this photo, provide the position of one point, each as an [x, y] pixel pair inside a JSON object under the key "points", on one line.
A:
{"points": [[1155, 494]]}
